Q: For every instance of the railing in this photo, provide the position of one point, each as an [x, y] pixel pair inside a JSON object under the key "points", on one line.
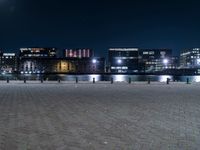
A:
{"points": [[77, 80]]}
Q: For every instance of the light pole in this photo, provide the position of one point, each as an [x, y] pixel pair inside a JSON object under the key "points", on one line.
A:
{"points": [[165, 62], [119, 62], [94, 62]]}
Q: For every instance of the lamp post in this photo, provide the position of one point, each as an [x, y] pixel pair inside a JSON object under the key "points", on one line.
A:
{"points": [[119, 62], [94, 62], [165, 62]]}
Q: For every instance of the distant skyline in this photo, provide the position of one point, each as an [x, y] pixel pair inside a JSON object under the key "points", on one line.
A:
{"points": [[99, 24]]}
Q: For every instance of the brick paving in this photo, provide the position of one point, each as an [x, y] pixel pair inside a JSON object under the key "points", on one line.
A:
{"points": [[70, 116]]}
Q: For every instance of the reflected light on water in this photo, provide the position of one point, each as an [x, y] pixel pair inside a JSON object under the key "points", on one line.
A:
{"points": [[196, 78], [97, 77], [164, 78], [119, 78]]}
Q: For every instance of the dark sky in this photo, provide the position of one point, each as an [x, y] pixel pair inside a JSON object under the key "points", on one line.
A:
{"points": [[99, 24]]}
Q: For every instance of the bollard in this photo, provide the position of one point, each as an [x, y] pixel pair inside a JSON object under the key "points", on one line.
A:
{"points": [[7, 80], [168, 80], [129, 80], [76, 80], [24, 80], [112, 81], [58, 80], [188, 81], [149, 81], [93, 80], [42, 80]]}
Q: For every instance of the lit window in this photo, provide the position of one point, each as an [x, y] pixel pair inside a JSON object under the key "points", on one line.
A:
{"points": [[145, 53], [124, 67], [151, 53]]}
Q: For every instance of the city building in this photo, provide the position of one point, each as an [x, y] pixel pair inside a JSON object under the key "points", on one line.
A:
{"points": [[8, 62], [78, 53], [90, 65], [38, 52], [175, 62], [61, 65], [123, 60], [190, 58], [45, 65], [153, 60]]}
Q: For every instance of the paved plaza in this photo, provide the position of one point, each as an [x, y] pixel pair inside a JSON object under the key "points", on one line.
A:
{"points": [[102, 116]]}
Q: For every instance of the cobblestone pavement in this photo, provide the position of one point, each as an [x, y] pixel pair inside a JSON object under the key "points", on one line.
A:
{"points": [[99, 116]]}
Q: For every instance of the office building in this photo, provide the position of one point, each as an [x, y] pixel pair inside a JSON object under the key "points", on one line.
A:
{"points": [[61, 65], [90, 65], [190, 58], [123, 60], [153, 60], [8, 62], [78, 53], [38, 52]]}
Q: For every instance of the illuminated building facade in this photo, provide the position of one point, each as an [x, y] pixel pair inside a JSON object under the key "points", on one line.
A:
{"points": [[78, 53], [38, 52], [123, 60], [153, 60], [45, 65], [190, 58], [61, 65], [90, 65], [8, 62]]}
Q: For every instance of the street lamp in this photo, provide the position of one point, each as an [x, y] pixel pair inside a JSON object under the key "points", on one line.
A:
{"points": [[119, 61], [165, 62], [94, 61]]}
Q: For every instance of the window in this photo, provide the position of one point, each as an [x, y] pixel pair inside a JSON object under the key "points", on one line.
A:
{"points": [[145, 53], [151, 53]]}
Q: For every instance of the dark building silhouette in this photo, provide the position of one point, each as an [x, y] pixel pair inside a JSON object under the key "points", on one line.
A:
{"points": [[123, 60], [8, 62]]}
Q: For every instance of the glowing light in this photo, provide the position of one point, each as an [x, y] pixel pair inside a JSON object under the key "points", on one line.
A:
{"points": [[96, 77], [164, 78], [197, 79], [198, 61], [165, 61], [119, 61], [94, 61], [120, 78]]}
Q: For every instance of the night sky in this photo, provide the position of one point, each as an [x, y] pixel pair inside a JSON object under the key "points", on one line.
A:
{"points": [[99, 24]]}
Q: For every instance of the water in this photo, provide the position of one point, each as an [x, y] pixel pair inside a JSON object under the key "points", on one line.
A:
{"points": [[98, 77]]}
